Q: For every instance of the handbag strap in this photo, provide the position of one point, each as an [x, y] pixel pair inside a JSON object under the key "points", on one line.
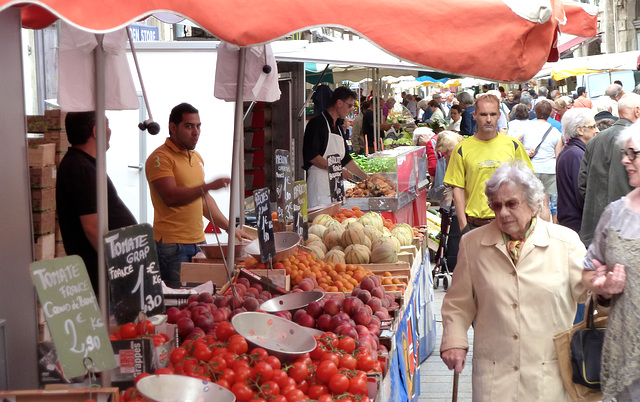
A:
{"points": [[589, 313], [543, 138]]}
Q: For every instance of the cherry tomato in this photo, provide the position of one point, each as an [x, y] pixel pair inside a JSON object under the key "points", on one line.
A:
{"points": [[280, 377], [316, 391], [298, 372], [224, 383], [145, 327], [317, 353], [229, 375], [178, 355], [358, 384], [166, 370], [338, 384], [202, 353], [242, 391], [279, 398], [325, 398], [365, 362], [262, 354], [242, 374], [274, 362], [132, 395], [295, 395], [303, 386], [140, 377], [331, 357], [270, 389], [238, 346], [264, 370], [257, 400], [348, 362], [347, 344], [128, 331], [224, 331], [325, 371], [158, 340], [217, 364]]}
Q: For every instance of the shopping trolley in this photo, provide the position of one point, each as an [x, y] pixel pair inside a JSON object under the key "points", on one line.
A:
{"points": [[441, 270]]}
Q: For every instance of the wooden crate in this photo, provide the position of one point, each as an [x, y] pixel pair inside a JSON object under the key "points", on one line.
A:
{"points": [[42, 155], [194, 272], [43, 176], [62, 394], [44, 222], [55, 119], [45, 247], [36, 124], [43, 199], [59, 138], [277, 276]]}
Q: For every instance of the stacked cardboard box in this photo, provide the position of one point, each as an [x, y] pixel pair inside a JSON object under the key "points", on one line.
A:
{"points": [[47, 146]]}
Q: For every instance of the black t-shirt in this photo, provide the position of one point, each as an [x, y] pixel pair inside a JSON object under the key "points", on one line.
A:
{"points": [[316, 138], [367, 127], [75, 197]]}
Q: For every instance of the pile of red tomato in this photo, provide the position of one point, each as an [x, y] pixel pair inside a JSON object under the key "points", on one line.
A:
{"points": [[142, 329], [334, 371]]}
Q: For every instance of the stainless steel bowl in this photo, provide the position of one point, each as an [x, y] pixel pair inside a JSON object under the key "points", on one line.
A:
{"points": [[286, 246], [212, 251], [329, 209], [291, 301], [282, 338], [179, 388]]}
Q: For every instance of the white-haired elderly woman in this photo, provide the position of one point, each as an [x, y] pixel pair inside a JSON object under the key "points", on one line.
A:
{"points": [[578, 127], [612, 272], [517, 280]]}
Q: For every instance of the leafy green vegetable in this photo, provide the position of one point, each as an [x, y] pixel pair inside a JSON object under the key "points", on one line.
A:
{"points": [[375, 165]]}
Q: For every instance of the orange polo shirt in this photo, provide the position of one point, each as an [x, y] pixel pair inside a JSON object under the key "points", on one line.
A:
{"points": [[176, 224]]}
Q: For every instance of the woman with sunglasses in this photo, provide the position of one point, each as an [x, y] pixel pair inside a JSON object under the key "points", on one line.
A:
{"points": [[611, 271], [517, 280]]}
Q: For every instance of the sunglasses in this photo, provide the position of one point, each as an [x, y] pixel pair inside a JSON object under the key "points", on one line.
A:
{"points": [[590, 126], [629, 153], [351, 105], [511, 204]]}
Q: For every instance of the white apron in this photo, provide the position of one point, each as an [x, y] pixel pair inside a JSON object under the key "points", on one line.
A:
{"points": [[318, 192]]}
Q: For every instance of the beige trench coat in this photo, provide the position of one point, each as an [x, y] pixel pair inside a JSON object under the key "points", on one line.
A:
{"points": [[515, 310]]}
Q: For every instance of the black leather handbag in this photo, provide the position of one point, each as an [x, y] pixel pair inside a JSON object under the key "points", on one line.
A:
{"points": [[586, 352]]}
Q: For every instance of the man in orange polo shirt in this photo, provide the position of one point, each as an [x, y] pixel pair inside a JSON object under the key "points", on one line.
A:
{"points": [[175, 172]]}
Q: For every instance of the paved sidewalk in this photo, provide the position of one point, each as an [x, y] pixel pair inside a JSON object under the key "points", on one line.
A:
{"points": [[436, 380]]}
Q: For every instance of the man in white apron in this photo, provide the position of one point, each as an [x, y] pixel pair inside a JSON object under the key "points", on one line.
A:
{"points": [[323, 137]]}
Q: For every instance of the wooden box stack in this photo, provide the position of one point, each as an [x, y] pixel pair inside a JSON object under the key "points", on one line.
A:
{"points": [[47, 141]]}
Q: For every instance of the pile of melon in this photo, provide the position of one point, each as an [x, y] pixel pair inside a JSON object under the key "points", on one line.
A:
{"points": [[361, 240]]}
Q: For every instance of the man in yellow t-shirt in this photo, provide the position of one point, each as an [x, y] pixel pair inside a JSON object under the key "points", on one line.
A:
{"points": [[474, 160], [175, 172]]}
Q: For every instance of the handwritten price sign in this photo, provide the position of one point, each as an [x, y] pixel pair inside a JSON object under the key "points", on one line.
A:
{"points": [[72, 313], [336, 187], [266, 238], [134, 275]]}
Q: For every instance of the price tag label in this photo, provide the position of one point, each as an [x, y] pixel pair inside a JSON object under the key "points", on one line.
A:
{"points": [[134, 274], [73, 315], [300, 217], [336, 187], [284, 183], [266, 238]]}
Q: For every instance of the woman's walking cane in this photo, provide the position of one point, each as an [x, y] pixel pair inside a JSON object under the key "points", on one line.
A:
{"points": [[455, 387]]}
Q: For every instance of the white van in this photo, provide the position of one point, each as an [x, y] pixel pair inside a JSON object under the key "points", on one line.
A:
{"points": [[597, 83]]}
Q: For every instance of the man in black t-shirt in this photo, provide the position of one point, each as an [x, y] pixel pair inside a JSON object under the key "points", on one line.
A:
{"points": [[76, 196]]}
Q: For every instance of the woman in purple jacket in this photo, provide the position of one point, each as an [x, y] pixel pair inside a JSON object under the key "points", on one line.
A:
{"points": [[578, 127]]}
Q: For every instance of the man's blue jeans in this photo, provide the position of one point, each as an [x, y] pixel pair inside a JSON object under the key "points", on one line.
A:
{"points": [[171, 256]]}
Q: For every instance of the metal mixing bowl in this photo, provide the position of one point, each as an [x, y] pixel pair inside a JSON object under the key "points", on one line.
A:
{"points": [[280, 337], [179, 388], [286, 246], [291, 301]]}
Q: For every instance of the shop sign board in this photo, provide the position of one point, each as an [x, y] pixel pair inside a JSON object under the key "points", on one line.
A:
{"points": [[284, 198], [133, 272], [336, 187], [71, 309], [266, 238], [300, 218]]}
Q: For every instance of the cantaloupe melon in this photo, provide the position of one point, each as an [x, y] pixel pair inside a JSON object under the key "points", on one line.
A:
{"points": [[401, 234], [384, 252], [371, 232], [352, 235], [332, 236], [356, 254], [317, 251], [348, 221], [317, 230], [319, 244], [320, 219], [334, 256], [312, 237]]}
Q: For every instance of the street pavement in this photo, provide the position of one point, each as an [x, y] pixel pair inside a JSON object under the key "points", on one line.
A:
{"points": [[436, 380]]}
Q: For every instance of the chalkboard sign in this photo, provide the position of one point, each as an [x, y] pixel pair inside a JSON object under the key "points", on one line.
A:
{"points": [[266, 238], [300, 223], [334, 165], [73, 315], [284, 200], [134, 274]]}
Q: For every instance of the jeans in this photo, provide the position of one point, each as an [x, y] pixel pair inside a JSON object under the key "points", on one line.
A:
{"points": [[170, 257]]}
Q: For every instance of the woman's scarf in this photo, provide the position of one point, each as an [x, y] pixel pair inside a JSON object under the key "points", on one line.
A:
{"points": [[515, 246]]}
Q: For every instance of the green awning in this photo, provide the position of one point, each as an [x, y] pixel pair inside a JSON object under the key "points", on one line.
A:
{"points": [[313, 71]]}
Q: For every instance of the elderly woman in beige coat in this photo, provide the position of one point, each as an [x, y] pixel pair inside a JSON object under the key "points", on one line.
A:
{"points": [[517, 281]]}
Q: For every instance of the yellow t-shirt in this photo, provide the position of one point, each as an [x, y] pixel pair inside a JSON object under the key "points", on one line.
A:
{"points": [[472, 163], [176, 224]]}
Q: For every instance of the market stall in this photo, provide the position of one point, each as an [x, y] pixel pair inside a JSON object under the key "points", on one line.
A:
{"points": [[535, 32]]}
